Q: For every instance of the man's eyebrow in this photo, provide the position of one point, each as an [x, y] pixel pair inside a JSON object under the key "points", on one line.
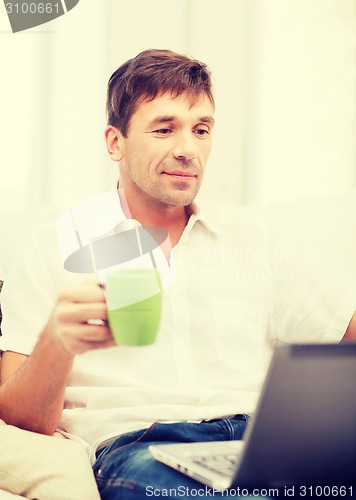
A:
{"points": [[162, 119], [170, 119], [207, 119]]}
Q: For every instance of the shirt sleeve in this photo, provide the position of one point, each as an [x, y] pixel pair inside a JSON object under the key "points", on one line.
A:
{"points": [[29, 292], [312, 251]]}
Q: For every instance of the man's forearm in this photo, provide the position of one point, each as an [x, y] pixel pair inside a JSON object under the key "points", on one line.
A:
{"points": [[33, 397]]}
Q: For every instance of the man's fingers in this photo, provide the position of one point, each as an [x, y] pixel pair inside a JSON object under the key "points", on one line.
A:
{"points": [[86, 333], [69, 312], [88, 292], [80, 318]]}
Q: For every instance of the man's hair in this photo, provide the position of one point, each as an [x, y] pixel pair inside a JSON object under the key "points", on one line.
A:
{"points": [[152, 73]]}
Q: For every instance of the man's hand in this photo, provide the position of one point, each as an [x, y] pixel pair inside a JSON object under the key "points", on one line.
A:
{"points": [[79, 319]]}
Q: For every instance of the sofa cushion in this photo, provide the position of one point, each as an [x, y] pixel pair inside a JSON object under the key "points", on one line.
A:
{"points": [[44, 467]]}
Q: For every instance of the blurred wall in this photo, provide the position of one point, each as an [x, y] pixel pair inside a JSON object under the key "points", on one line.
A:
{"points": [[285, 84]]}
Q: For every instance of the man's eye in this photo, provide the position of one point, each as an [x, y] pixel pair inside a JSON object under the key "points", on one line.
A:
{"points": [[202, 131], [163, 131]]}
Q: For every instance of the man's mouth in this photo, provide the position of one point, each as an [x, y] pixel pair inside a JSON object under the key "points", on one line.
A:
{"points": [[180, 174]]}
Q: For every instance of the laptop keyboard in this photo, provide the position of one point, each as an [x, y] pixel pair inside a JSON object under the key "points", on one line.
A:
{"points": [[224, 465]]}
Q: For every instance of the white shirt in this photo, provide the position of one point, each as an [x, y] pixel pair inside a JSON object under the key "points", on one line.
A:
{"points": [[231, 293]]}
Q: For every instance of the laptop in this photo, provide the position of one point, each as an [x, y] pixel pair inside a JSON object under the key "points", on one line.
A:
{"points": [[302, 434]]}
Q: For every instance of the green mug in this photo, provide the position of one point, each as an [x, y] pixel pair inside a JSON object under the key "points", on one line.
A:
{"points": [[134, 299]]}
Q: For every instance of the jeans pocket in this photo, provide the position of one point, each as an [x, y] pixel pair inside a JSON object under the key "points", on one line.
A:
{"points": [[121, 442]]}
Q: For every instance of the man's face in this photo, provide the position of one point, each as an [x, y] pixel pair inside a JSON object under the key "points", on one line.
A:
{"points": [[166, 149]]}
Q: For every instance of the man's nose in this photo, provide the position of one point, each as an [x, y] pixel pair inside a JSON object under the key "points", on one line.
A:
{"points": [[185, 147]]}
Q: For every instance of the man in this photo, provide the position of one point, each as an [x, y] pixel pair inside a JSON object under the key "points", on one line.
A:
{"points": [[202, 377]]}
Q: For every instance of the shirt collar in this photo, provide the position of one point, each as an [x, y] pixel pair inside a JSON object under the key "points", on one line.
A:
{"points": [[98, 215], [197, 214], [114, 216]]}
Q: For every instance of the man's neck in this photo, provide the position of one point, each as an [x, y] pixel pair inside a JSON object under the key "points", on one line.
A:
{"points": [[173, 218]]}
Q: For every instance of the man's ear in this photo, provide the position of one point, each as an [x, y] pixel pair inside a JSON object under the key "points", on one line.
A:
{"points": [[114, 141]]}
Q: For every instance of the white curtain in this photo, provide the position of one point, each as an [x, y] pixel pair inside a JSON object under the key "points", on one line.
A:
{"points": [[285, 84]]}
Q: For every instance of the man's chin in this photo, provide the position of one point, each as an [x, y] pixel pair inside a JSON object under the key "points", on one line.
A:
{"points": [[173, 197], [178, 201]]}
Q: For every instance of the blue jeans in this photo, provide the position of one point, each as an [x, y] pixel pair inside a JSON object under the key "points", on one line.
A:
{"points": [[126, 470]]}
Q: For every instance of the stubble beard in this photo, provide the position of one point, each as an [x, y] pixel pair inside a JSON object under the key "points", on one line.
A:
{"points": [[157, 193], [181, 197]]}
